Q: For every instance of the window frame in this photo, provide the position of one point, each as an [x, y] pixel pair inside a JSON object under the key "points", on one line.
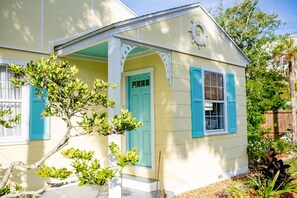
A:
{"points": [[225, 113], [25, 110]]}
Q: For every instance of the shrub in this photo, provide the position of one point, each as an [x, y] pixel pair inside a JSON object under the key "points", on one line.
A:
{"points": [[273, 179], [282, 145], [257, 148]]}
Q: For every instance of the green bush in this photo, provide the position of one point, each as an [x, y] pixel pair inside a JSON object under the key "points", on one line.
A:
{"points": [[257, 148], [273, 178], [282, 145]]}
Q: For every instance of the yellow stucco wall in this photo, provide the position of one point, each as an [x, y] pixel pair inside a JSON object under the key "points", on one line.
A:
{"points": [[31, 24], [174, 34], [34, 150]]}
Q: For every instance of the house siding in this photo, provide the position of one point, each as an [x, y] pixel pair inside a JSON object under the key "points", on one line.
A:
{"points": [[174, 34], [34, 150], [186, 160], [210, 157], [31, 24]]}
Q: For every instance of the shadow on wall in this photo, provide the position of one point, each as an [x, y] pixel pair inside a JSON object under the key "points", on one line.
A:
{"points": [[21, 20], [195, 157], [186, 159]]}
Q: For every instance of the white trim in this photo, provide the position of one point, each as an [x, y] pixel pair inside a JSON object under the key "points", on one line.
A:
{"points": [[92, 15], [208, 180], [58, 41], [114, 77], [14, 141], [24, 137], [99, 38], [126, 7], [242, 54], [143, 43], [15, 61], [150, 19], [23, 49], [144, 21], [41, 25], [215, 132], [125, 105], [181, 33]]}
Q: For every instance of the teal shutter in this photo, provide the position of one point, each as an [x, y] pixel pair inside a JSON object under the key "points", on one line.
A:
{"points": [[39, 126], [231, 103], [197, 103]]}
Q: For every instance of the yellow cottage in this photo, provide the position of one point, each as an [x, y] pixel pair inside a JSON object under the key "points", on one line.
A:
{"points": [[179, 73]]}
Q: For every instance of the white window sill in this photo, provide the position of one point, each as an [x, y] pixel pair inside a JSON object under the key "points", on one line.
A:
{"points": [[13, 141], [213, 133]]}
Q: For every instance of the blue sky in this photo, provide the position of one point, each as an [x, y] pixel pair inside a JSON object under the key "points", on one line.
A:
{"points": [[286, 9]]}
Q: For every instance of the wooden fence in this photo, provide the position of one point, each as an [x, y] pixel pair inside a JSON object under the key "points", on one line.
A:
{"points": [[277, 122]]}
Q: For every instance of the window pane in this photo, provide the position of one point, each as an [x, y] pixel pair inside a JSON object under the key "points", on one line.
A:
{"points": [[9, 94], [214, 101], [220, 109], [207, 123], [220, 80], [207, 92], [214, 123], [213, 93], [220, 94], [206, 78], [221, 123], [16, 109], [214, 116], [213, 79], [3, 83]]}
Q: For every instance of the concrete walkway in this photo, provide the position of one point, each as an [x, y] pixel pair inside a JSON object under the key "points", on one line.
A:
{"points": [[74, 191]]}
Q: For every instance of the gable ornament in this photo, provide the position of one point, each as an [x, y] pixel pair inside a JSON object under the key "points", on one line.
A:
{"points": [[198, 33]]}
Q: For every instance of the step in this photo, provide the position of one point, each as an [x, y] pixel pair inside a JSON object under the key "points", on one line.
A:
{"points": [[139, 183]]}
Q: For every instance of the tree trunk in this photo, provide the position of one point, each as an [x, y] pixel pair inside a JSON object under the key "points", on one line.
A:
{"points": [[292, 79]]}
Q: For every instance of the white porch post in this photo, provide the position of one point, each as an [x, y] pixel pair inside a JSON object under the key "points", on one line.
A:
{"points": [[114, 76]]}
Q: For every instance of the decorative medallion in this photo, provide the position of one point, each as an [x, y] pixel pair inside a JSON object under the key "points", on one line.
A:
{"points": [[198, 33]]}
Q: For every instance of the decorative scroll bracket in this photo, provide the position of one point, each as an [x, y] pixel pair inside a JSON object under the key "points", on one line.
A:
{"points": [[126, 48], [165, 56]]}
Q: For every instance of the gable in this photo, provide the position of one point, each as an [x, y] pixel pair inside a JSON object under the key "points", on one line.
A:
{"points": [[32, 24], [173, 33]]}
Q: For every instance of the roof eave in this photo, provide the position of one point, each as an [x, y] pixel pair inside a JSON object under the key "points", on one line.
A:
{"points": [[124, 23]]}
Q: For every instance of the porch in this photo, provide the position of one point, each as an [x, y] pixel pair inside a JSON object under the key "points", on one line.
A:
{"points": [[135, 67]]}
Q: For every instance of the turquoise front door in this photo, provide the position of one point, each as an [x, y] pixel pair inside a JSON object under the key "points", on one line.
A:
{"points": [[139, 103]]}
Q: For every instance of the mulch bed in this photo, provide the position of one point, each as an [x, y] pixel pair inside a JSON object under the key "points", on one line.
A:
{"points": [[218, 190], [213, 190]]}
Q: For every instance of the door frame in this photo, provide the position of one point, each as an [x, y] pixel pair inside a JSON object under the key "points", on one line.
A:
{"points": [[125, 97]]}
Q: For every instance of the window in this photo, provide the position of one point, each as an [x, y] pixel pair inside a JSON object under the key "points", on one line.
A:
{"points": [[21, 101], [214, 101], [12, 98]]}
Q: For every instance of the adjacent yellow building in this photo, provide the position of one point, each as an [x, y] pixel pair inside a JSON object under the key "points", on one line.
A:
{"points": [[179, 73]]}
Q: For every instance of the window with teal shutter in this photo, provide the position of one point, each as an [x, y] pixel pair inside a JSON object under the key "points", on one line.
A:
{"points": [[197, 102], [39, 126], [231, 103]]}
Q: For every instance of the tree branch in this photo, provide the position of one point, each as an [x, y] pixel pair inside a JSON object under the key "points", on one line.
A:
{"points": [[63, 142]]}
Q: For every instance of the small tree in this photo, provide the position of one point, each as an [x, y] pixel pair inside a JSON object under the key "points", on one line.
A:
{"points": [[287, 50], [69, 98], [253, 31]]}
